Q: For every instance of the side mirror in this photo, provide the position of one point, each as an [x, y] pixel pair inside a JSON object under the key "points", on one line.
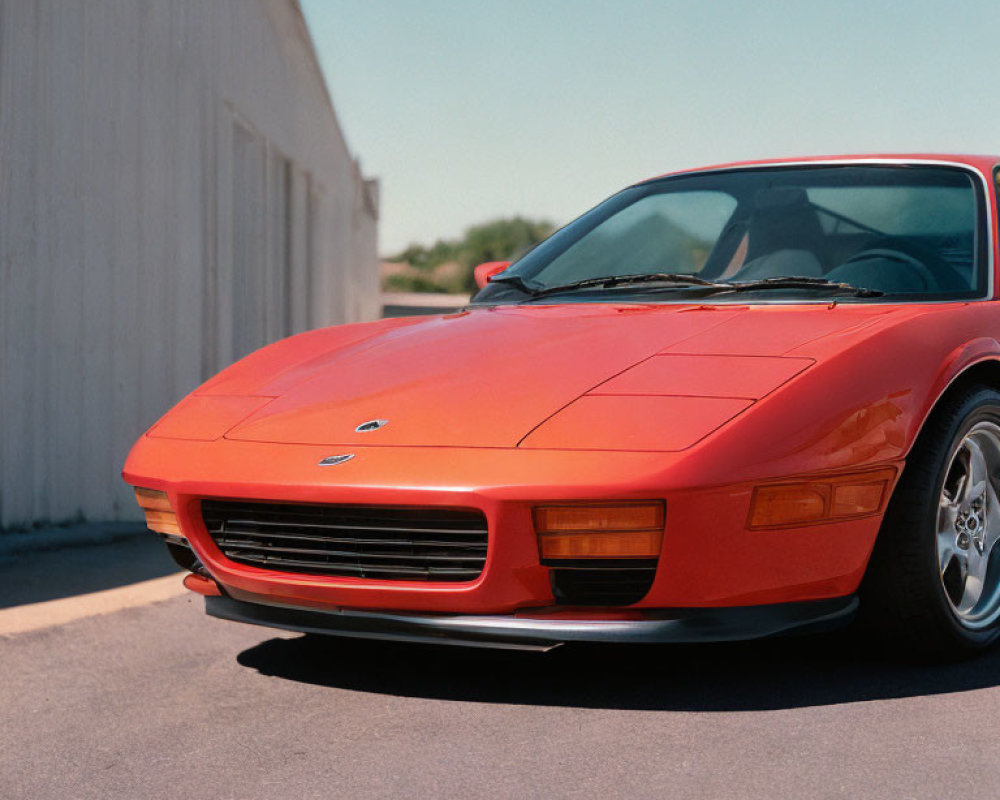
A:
{"points": [[487, 270]]}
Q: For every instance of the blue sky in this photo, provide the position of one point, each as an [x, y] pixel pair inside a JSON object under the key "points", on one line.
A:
{"points": [[472, 110]]}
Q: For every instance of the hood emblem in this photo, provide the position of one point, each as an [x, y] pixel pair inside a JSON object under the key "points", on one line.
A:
{"points": [[332, 461], [371, 425]]}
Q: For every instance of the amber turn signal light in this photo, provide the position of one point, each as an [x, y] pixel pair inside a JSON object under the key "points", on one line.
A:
{"points": [[202, 585], [160, 516], [820, 500], [620, 530]]}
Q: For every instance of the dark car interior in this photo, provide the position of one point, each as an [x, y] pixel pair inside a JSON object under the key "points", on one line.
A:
{"points": [[783, 233]]}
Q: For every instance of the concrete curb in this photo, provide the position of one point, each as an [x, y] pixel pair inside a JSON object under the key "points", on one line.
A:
{"points": [[51, 613], [58, 537]]}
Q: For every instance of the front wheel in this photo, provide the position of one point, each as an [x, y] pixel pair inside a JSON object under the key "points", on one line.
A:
{"points": [[933, 583]]}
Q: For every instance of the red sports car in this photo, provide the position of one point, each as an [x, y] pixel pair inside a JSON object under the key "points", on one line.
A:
{"points": [[726, 403]]}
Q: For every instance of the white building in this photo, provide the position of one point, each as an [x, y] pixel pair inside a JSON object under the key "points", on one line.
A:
{"points": [[175, 191]]}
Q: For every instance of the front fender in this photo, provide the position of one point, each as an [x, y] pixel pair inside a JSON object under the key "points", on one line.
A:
{"points": [[862, 404]]}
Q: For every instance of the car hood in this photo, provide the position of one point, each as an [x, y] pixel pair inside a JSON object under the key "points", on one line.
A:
{"points": [[489, 377]]}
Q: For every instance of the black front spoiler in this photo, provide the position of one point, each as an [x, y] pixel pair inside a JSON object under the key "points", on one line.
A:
{"points": [[521, 633]]}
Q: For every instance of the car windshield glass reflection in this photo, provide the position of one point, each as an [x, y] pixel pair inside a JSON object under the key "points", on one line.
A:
{"points": [[889, 232]]}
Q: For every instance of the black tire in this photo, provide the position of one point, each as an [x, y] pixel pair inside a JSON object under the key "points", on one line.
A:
{"points": [[903, 599]]}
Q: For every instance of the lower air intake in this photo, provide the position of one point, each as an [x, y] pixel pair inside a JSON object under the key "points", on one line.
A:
{"points": [[603, 583]]}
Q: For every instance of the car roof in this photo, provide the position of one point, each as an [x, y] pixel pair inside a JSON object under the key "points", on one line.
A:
{"points": [[983, 163]]}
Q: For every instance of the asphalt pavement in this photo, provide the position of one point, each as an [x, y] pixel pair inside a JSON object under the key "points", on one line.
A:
{"points": [[156, 700]]}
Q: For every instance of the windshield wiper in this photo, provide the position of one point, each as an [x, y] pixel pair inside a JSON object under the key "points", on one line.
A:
{"points": [[797, 282], [514, 280], [612, 281], [701, 285]]}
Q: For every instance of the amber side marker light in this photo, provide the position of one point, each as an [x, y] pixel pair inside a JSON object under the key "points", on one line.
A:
{"points": [[620, 530], [820, 500], [160, 516], [202, 585]]}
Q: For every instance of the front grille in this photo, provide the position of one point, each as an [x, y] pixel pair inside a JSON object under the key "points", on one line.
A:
{"points": [[386, 543], [602, 583]]}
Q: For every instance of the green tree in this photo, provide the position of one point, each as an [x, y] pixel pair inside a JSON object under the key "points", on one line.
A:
{"points": [[496, 240], [500, 240]]}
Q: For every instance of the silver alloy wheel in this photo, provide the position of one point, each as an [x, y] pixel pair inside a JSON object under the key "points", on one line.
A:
{"points": [[968, 528]]}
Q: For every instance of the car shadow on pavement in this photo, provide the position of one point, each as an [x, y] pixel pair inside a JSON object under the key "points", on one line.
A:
{"points": [[748, 676]]}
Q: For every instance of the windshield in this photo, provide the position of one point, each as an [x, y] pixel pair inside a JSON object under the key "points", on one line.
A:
{"points": [[892, 232]]}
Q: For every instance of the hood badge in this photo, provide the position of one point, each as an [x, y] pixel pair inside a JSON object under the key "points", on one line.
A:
{"points": [[371, 425], [332, 461]]}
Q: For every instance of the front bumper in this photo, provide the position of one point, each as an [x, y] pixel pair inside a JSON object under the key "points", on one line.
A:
{"points": [[709, 558], [526, 633]]}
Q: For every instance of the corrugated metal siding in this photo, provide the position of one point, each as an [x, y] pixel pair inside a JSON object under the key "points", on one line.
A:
{"points": [[175, 190]]}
